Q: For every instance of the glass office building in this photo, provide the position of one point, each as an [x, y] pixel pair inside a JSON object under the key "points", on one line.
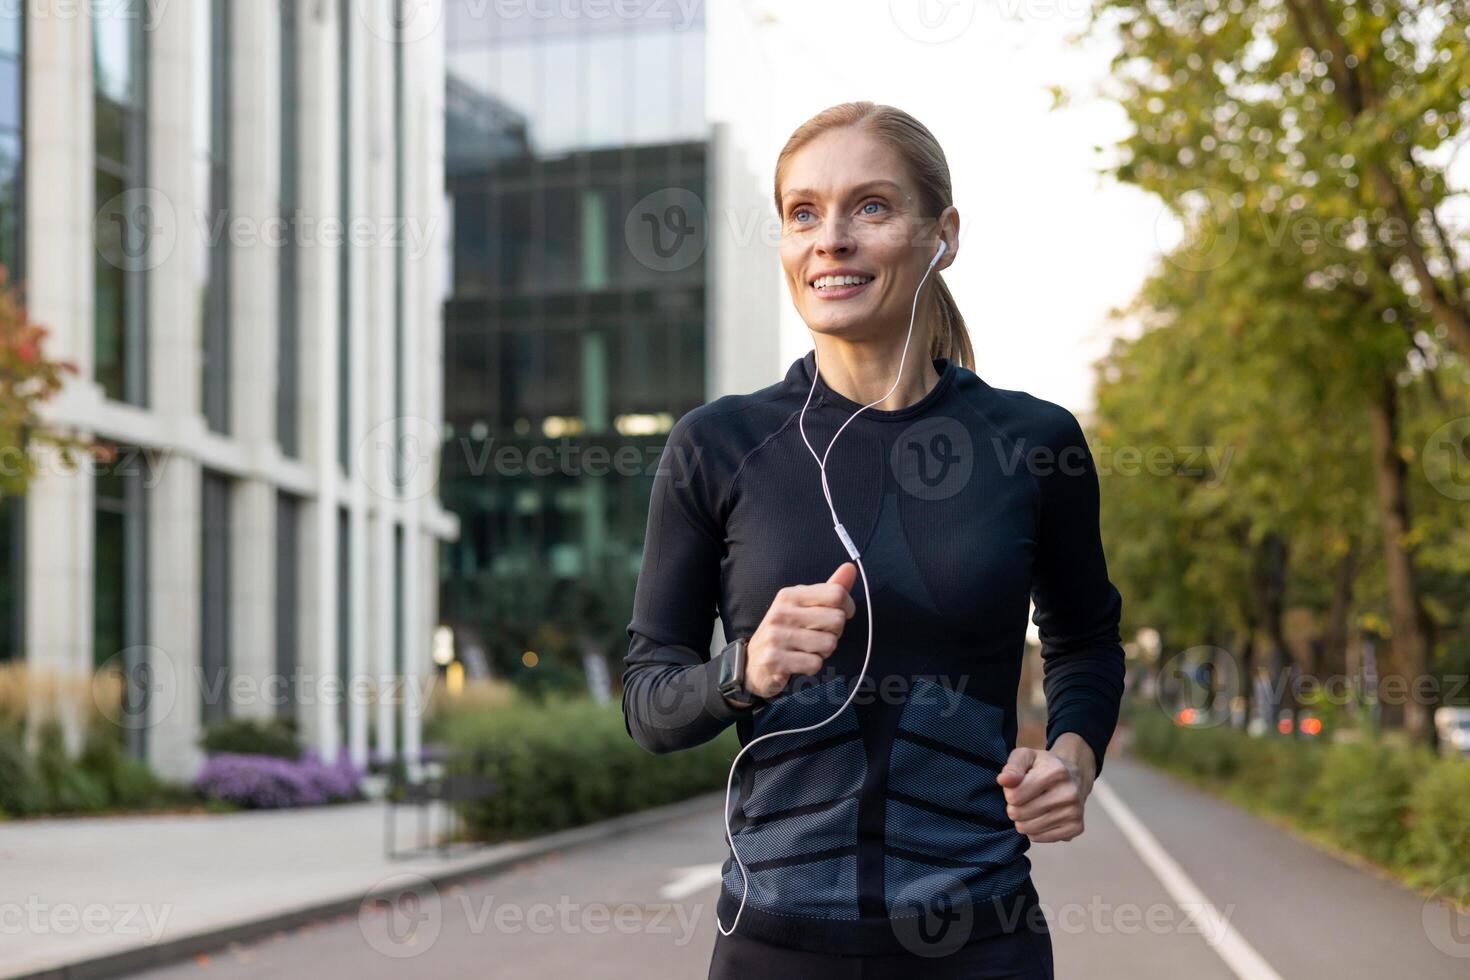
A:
{"points": [[249, 540], [578, 328]]}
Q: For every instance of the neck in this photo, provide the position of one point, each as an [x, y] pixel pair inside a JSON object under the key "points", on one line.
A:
{"points": [[864, 372]]}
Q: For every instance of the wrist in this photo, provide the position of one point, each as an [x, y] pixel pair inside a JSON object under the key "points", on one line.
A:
{"points": [[732, 675], [1073, 750]]}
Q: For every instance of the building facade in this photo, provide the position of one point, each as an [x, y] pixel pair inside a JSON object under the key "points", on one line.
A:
{"points": [[230, 216], [592, 197]]}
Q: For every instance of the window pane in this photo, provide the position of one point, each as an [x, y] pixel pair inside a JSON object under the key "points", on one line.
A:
{"points": [[215, 596], [10, 200], [652, 56], [9, 93], [12, 571], [605, 62], [10, 15], [113, 52], [110, 577], [110, 295]]}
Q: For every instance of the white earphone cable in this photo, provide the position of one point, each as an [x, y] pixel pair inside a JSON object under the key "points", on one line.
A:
{"points": [[852, 550]]}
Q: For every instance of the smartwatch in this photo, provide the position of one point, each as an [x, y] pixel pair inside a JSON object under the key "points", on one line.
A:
{"points": [[732, 674]]}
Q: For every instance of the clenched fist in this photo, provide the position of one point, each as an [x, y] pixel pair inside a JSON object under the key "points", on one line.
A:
{"points": [[1045, 791], [799, 632]]}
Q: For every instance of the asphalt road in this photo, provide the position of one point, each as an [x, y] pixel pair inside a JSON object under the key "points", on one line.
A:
{"points": [[1165, 882]]}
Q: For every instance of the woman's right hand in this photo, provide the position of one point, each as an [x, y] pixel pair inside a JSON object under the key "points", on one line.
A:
{"points": [[799, 631]]}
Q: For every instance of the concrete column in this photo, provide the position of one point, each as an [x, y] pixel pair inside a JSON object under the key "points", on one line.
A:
{"points": [[357, 672], [58, 295], [253, 197], [416, 672], [173, 619], [254, 200], [317, 636], [174, 353], [424, 285], [58, 145], [318, 297], [59, 587], [384, 640], [252, 600]]}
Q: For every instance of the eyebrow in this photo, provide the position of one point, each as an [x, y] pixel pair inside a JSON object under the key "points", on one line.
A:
{"points": [[866, 185]]}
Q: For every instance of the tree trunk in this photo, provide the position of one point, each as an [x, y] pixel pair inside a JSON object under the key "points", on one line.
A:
{"points": [[1332, 652], [1412, 628], [1268, 581], [1245, 660]]}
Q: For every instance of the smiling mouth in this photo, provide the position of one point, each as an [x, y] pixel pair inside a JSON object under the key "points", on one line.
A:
{"points": [[839, 284]]}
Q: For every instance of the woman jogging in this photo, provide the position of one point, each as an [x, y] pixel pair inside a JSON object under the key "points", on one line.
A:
{"points": [[871, 531]]}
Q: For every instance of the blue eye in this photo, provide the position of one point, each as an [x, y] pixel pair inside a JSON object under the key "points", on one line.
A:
{"points": [[879, 203]]}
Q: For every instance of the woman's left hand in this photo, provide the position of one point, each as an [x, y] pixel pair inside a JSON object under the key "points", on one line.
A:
{"points": [[1046, 790]]}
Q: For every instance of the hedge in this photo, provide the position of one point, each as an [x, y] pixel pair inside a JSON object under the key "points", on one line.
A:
{"points": [[570, 761], [1404, 808]]}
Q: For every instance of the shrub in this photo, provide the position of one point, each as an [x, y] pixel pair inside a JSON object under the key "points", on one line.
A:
{"points": [[250, 736], [20, 788], [265, 781], [128, 782], [1438, 841], [65, 788], [1399, 806], [1362, 793], [570, 761]]}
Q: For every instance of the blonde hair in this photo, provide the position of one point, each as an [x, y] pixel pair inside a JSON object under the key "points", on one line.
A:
{"points": [[927, 168]]}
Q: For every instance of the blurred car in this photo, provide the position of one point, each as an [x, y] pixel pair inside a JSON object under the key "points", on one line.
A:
{"points": [[1453, 727], [1311, 725]]}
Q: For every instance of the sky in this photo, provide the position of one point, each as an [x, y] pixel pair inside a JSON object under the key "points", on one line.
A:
{"points": [[1047, 245]]}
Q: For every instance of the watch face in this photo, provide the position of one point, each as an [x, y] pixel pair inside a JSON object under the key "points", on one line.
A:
{"points": [[732, 670]]}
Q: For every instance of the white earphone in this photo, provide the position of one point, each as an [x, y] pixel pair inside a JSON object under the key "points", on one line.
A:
{"points": [[852, 550]]}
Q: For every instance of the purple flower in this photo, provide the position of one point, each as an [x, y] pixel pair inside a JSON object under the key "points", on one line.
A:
{"points": [[263, 781]]}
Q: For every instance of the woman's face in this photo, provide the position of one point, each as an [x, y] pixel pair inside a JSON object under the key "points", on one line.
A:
{"points": [[849, 208]]}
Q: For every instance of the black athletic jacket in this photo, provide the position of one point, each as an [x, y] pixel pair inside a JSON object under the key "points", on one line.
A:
{"points": [[964, 506]]}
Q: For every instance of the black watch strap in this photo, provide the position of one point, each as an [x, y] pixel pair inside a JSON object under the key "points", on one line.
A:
{"points": [[732, 673]]}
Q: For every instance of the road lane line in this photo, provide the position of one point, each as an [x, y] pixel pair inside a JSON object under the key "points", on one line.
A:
{"points": [[1239, 955], [687, 881]]}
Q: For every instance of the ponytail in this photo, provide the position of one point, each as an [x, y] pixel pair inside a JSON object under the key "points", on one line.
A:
{"points": [[949, 338]]}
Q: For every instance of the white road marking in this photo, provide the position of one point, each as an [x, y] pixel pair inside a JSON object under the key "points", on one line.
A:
{"points": [[687, 881], [1238, 954]]}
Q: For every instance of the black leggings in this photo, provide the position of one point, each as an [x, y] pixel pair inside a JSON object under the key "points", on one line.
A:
{"points": [[1021, 955]]}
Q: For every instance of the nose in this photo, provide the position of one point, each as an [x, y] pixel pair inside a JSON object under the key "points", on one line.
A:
{"points": [[835, 238]]}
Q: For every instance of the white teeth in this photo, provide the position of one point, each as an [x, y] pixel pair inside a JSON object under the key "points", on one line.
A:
{"points": [[825, 281]]}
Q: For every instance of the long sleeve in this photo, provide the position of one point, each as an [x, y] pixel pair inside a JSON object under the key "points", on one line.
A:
{"points": [[1077, 607], [671, 698]]}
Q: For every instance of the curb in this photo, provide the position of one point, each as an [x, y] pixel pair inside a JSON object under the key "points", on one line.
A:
{"points": [[209, 940]]}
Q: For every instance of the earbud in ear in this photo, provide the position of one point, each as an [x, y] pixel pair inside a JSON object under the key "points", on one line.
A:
{"points": [[943, 246]]}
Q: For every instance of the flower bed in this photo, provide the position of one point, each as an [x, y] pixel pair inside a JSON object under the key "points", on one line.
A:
{"points": [[269, 782]]}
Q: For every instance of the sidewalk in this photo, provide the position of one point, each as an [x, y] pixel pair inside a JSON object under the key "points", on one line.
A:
{"points": [[101, 896]]}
